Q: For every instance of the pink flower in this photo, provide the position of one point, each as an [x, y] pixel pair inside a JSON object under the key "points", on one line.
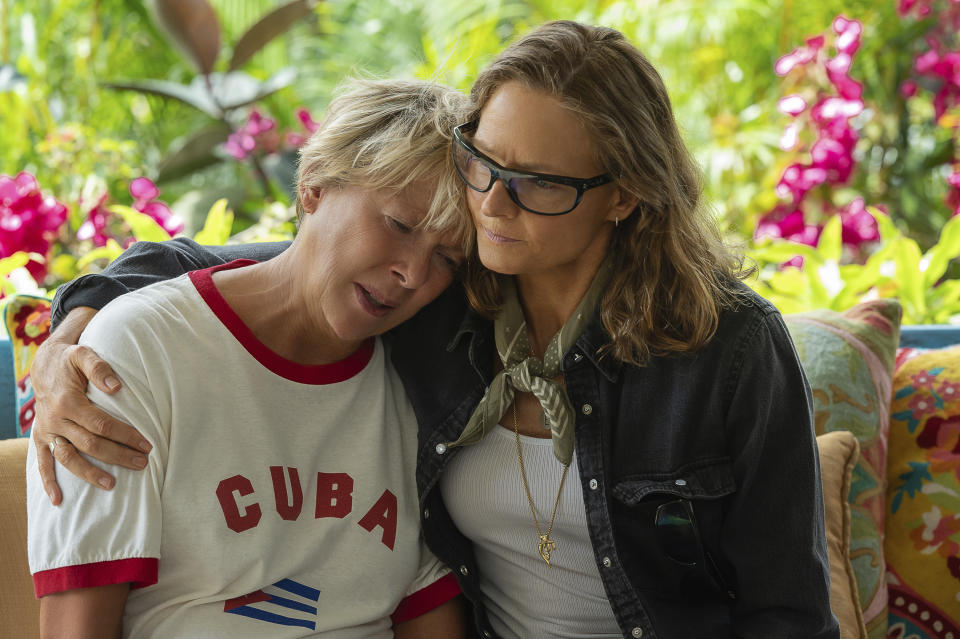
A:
{"points": [[799, 56], [797, 179], [922, 405], [144, 192], [908, 89], [792, 105], [835, 159], [923, 379], [308, 123], [858, 225], [848, 34], [95, 224], [949, 391], [788, 225], [29, 221]]}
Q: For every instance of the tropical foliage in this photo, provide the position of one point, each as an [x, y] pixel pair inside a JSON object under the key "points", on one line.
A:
{"points": [[827, 130]]}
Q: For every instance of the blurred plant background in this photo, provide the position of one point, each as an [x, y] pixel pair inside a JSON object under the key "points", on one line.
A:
{"points": [[827, 129]]}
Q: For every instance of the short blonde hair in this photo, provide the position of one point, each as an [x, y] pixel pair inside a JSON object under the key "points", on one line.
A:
{"points": [[672, 272], [390, 134]]}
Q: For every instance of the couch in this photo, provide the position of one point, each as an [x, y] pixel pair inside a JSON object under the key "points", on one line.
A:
{"points": [[889, 450]]}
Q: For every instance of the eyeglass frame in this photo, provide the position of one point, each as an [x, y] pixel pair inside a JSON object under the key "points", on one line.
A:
{"points": [[691, 522], [504, 174]]}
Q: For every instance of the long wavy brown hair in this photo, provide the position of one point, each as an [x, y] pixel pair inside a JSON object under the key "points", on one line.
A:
{"points": [[673, 274]]}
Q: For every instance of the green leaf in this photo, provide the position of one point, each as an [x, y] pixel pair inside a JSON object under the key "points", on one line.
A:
{"points": [[13, 262], [216, 228], [143, 226], [885, 226], [946, 248], [778, 251], [109, 252], [193, 153], [270, 26], [195, 94], [830, 246], [909, 278]]}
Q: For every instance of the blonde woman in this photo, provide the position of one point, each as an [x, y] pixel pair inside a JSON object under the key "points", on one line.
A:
{"points": [[279, 499], [615, 434]]}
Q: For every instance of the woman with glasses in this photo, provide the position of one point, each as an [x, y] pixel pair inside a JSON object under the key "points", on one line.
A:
{"points": [[615, 433]]}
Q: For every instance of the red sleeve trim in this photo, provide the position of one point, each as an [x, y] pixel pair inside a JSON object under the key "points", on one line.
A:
{"points": [[426, 599], [139, 572]]}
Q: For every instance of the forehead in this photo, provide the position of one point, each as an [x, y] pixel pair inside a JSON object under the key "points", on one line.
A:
{"points": [[528, 129]]}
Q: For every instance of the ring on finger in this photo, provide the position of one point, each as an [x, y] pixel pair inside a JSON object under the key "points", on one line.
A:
{"points": [[57, 442]]}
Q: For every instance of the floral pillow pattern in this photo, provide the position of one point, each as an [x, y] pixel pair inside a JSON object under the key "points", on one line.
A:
{"points": [[27, 319], [848, 358], [923, 496]]}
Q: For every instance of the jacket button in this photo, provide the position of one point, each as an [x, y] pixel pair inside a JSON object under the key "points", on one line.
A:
{"points": [[587, 409], [426, 513], [681, 482], [577, 357], [606, 562], [594, 484], [637, 632], [441, 449], [464, 571]]}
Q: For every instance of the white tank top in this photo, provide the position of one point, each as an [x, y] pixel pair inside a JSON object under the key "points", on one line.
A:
{"points": [[526, 599]]}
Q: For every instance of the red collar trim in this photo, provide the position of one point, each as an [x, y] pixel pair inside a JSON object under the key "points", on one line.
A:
{"points": [[317, 374]]}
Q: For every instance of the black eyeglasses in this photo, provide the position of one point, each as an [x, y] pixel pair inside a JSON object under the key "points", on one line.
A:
{"points": [[539, 193], [677, 532]]}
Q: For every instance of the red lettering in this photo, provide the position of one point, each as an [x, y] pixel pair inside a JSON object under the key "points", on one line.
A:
{"points": [[383, 514], [231, 510], [334, 495], [288, 511]]}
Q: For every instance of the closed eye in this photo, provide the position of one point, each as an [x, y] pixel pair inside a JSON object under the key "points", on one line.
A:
{"points": [[399, 225]]}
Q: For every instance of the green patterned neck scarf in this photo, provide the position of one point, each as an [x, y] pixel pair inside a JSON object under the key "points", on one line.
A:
{"points": [[525, 373]]}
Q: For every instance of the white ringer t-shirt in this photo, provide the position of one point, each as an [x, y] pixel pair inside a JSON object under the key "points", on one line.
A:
{"points": [[279, 499]]}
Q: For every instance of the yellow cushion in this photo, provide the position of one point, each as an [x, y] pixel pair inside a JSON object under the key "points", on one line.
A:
{"points": [[19, 609], [923, 495], [839, 452]]}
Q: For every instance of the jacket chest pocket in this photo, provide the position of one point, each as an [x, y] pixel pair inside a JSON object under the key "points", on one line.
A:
{"points": [[667, 528]]}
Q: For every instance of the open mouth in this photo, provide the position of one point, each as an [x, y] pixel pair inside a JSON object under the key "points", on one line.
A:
{"points": [[371, 303]]}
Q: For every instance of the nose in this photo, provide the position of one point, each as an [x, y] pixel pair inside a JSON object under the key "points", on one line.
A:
{"points": [[497, 201], [413, 269]]}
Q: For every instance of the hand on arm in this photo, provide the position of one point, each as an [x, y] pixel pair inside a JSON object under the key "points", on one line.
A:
{"points": [[65, 416], [443, 622], [85, 613]]}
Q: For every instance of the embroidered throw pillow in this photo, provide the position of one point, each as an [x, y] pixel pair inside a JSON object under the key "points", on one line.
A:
{"points": [[848, 358], [27, 319], [923, 496]]}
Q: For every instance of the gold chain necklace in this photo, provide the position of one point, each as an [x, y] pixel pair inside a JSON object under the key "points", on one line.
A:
{"points": [[546, 545]]}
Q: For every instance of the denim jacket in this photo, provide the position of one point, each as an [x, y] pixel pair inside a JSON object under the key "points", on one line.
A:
{"points": [[725, 431]]}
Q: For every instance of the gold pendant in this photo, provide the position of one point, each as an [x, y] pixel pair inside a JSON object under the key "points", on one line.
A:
{"points": [[545, 547]]}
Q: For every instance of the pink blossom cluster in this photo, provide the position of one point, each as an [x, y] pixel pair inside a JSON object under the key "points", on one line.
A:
{"points": [[29, 220], [937, 70], [145, 194], [259, 134], [826, 103]]}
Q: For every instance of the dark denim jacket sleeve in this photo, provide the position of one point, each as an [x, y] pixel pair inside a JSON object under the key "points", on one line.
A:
{"points": [[145, 263], [773, 533]]}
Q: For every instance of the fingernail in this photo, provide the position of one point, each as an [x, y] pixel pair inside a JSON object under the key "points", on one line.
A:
{"points": [[145, 446], [139, 461], [105, 482], [112, 382]]}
